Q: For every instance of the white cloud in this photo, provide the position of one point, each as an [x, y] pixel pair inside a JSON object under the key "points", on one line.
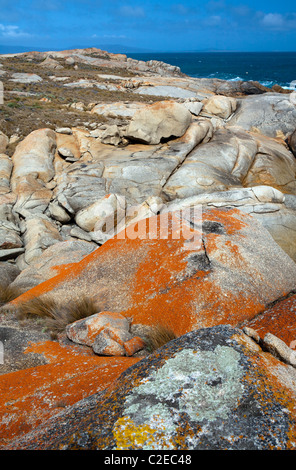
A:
{"points": [[242, 10], [109, 36], [114, 36], [279, 22], [214, 20], [135, 12], [180, 9], [273, 20], [12, 31]]}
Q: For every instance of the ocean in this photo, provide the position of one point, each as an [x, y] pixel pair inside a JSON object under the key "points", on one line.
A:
{"points": [[268, 68]]}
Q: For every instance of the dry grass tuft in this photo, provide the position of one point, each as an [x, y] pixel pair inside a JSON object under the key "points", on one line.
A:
{"points": [[37, 307], [158, 336], [9, 293], [56, 317]]}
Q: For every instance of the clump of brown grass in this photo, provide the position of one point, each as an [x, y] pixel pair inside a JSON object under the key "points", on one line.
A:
{"points": [[157, 336], [9, 293], [57, 316]]}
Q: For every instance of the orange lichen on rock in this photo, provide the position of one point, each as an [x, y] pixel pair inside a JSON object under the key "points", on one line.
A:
{"points": [[280, 320], [273, 379], [228, 275], [31, 396], [133, 345]]}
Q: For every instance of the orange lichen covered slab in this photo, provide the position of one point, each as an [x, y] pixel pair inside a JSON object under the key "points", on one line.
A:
{"points": [[209, 389], [280, 320], [228, 275], [29, 397]]}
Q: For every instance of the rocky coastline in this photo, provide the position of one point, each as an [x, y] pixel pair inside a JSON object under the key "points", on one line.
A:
{"points": [[147, 257]]}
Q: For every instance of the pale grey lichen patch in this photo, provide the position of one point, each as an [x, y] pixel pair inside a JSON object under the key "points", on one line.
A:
{"points": [[206, 385]]}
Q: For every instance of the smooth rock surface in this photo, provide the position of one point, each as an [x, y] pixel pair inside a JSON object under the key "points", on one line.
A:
{"points": [[271, 114], [159, 121], [220, 106]]}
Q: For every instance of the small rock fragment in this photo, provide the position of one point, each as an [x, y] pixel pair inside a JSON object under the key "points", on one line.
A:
{"points": [[134, 345], [106, 346], [279, 349]]}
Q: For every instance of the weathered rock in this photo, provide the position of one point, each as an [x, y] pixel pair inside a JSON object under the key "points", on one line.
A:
{"points": [[193, 106], [26, 78], [64, 130], [33, 197], [34, 155], [134, 345], [65, 152], [5, 173], [265, 203], [15, 342], [165, 91], [104, 345], [80, 185], [49, 364], [233, 159], [9, 228], [51, 261], [8, 273], [58, 213], [161, 120], [274, 166], [292, 143], [252, 334], [10, 254], [77, 232], [86, 330], [105, 214], [138, 172], [113, 110], [4, 140], [279, 349], [40, 234], [51, 63], [220, 106], [226, 269], [279, 320], [198, 392], [270, 113], [9, 236], [111, 135]]}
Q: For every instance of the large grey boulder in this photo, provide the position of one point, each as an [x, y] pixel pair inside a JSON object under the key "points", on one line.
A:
{"points": [[221, 106], [40, 233], [47, 264], [34, 156], [161, 120], [80, 185], [140, 171], [271, 113], [233, 158]]}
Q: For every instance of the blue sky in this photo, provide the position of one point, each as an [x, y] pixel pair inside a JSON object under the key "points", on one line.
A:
{"points": [[154, 25]]}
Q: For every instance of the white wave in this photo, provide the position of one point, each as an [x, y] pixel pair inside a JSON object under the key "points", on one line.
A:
{"points": [[267, 83], [236, 79]]}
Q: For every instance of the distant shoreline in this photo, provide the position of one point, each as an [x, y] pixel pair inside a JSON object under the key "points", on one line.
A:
{"points": [[7, 49], [256, 66]]}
